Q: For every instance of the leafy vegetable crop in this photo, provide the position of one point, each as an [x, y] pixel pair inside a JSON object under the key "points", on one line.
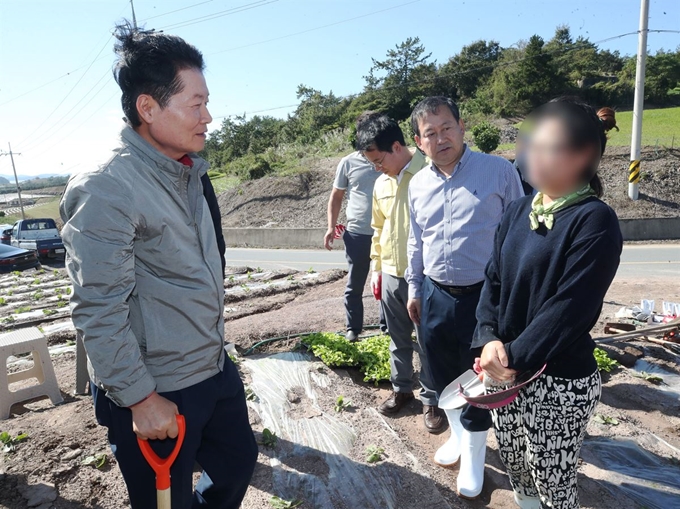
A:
{"points": [[604, 362], [371, 355]]}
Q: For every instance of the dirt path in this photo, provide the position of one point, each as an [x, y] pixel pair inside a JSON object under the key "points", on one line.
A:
{"points": [[320, 455]]}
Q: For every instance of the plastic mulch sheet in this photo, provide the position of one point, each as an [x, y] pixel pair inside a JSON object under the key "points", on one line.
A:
{"points": [[648, 479], [671, 381], [341, 482]]}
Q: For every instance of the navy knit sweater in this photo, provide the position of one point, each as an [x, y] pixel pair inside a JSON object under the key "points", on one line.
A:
{"points": [[544, 289]]}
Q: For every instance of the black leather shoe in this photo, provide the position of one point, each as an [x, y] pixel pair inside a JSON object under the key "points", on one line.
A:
{"points": [[434, 419], [395, 402]]}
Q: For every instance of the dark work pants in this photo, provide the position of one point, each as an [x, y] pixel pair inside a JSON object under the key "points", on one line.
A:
{"points": [[358, 254], [447, 323], [218, 438]]}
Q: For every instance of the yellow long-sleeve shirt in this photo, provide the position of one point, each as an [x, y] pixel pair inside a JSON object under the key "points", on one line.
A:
{"points": [[390, 219]]}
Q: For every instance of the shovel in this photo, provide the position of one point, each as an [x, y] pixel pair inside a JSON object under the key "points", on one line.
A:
{"points": [[162, 466], [451, 397]]}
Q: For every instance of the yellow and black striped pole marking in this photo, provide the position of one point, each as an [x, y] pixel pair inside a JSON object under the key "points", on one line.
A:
{"points": [[634, 172]]}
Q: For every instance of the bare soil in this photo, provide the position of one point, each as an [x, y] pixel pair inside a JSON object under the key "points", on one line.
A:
{"points": [[61, 437], [299, 201]]}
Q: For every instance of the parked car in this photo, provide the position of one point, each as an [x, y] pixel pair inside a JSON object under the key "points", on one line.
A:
{"points": [[39, 235], [15, 258], [6, 234]]}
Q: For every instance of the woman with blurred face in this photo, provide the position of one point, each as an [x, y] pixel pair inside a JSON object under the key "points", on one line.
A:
{"points": [[555, 255]]}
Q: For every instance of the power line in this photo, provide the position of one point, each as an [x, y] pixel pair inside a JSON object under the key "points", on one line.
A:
{"points": [[58, 78], [220, 14], [65, 75], [80, 125], [458, 73], [176, 10], [314, 29], [60, 124], [68, 93]]}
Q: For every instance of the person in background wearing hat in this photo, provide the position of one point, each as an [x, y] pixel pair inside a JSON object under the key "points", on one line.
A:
{"points": [[381, 141], [456, 203], [554, 257], [354, 178]]}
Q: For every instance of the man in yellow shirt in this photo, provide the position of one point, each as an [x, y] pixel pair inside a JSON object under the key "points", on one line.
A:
{"points": [[381, 141]]}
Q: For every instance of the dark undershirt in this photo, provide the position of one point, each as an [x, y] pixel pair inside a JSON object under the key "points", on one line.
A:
{"points": [[213, 206]]}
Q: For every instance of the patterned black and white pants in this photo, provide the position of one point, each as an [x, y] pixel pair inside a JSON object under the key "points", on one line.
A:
{"points": [[540, 436]]}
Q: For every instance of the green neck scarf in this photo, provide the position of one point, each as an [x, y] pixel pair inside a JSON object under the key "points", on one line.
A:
{"points": [[546, 214]]}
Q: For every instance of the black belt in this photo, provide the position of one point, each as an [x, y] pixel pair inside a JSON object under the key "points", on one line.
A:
{"points": [[459, 290]]}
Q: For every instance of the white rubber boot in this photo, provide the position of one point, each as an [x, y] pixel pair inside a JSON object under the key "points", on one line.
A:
{"points": [[472, 459], [448, 454], [525, 502]]}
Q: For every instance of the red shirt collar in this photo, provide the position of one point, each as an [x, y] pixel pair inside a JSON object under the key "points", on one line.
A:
{"points": [[186, 160]]}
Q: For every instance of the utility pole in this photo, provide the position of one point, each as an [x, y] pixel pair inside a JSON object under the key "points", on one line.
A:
{"points": [[638, 105], [16, 179], [134, 18]]}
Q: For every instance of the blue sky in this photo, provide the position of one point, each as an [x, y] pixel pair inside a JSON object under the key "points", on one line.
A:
{"points": [[256, 55]]}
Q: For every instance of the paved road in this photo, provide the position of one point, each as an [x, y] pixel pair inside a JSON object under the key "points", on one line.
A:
{"points": [[639, 260]]}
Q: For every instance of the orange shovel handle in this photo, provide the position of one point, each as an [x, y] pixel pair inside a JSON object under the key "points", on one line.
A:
{"points": [[162, 466]]}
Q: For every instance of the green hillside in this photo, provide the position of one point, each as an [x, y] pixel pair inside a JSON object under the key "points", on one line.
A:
{"points": [[659, 127]]}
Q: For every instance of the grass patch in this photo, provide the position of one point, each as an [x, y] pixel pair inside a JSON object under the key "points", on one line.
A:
{"points": [[283, 160], [224, 183], [48, 209], [659, 127]]}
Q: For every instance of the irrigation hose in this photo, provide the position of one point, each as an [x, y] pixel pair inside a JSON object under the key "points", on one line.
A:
{"points": [[298, 335]]}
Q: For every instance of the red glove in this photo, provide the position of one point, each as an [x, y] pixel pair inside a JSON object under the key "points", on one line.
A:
{"points": [[376, 285], [339, 230]]}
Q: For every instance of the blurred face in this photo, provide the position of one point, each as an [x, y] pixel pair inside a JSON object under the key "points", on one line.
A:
{"points": [[180, 127], [441, 138], [553, 166], [388, 163]]}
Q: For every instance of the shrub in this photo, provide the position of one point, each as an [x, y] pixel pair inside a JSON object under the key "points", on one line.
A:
{"points": [[486, 136], [249, 167]]}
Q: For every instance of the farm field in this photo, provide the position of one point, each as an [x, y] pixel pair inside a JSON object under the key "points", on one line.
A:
{"points": [[637, 417]]}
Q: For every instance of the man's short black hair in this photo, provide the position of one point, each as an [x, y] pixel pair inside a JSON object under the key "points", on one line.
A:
{"points": [[432, 105], [378, 132], [149, 63]]}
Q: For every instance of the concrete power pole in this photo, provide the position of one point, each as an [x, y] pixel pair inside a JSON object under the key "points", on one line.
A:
{"points": [[16, 179], [134, 18], [638, 105]]}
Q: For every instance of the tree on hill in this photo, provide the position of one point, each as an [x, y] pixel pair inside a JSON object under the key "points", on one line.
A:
{"points": [[404, 76], [470, 69], [526, 79], [317, 113], [485, 78]]}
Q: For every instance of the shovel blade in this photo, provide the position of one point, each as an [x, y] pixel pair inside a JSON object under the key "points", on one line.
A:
{"points": [[451, 399]]}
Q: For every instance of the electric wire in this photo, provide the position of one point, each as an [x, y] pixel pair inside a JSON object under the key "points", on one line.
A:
{"points": [[494, 65], [19, 145], [220, 14], [314, 29]]}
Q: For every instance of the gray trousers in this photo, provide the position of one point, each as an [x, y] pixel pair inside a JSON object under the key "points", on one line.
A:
{"points": [[358, 254], [402, 346]]}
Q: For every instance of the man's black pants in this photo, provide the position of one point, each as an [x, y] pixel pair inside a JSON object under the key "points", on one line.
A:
{"points": [[218, 438], [447, 324]]}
